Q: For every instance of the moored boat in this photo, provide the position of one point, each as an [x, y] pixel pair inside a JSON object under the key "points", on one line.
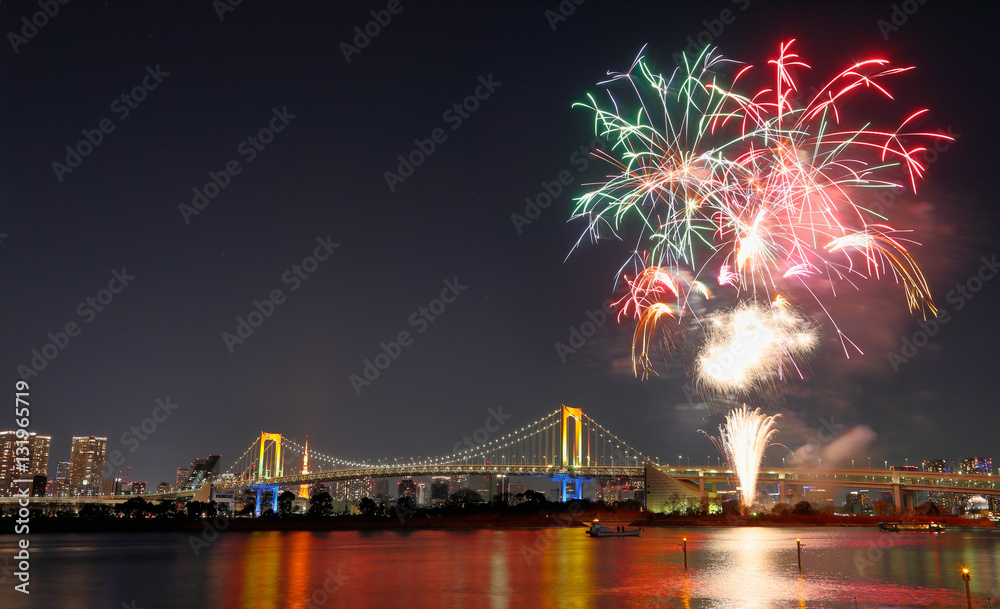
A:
{"points": [[599, 530], [897, 527]]}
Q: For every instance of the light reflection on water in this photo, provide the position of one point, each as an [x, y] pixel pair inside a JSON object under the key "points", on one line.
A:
{"points": [[749, 567]]}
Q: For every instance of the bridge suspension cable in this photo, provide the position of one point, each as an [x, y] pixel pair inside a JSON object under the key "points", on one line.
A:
{"points": [[565, 438]]}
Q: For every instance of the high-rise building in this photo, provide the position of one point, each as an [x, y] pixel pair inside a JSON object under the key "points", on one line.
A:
{"points": [[182, 476], [941, 466], [406, 487], [976, 465], [22, 458], [440, 490], [40, 454], [138, 488], [457, 483], [350, 490], [86, 462], [38, 482], [619, 488], [482, 484], [854, 503], [62, 479]]}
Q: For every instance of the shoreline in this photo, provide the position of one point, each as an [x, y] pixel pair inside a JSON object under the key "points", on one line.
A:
{"points": [[458, 523]]}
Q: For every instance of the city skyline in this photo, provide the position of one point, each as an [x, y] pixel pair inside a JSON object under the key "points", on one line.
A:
{"points": [[366, 242]]}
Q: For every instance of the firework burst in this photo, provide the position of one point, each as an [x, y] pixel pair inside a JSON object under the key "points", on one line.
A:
{"points": [[752, 192], [742, 440], [753, 344]]}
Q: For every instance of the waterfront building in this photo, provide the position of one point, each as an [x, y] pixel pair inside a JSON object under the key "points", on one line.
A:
{"points": [[348, 491], [440, 490], [62, 480], [941, 466], [619, 488], [407, 487], [38, 483], [86, 462], [859, 502], [976, 465], [33, 460], [516, 489], [482, 484], [457, 483]]}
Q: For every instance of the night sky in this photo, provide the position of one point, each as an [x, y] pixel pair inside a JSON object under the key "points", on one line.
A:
{"points": [[124, 217]]}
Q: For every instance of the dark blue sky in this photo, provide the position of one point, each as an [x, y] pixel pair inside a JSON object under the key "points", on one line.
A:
{"points": [[313, 183]]}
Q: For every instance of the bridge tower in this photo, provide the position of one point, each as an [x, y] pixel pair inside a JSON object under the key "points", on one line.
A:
{"points": [[274, 467], [262, 458], [574, 459], [572, 454]]}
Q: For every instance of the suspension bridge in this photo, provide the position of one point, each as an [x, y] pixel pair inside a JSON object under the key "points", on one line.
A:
{"points": [[566, 446], [569, 447]]}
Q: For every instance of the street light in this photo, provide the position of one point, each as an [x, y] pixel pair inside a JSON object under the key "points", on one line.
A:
{"points": [[968, 594]]}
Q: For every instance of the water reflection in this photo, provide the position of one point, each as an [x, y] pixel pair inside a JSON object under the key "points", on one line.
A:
{"points": [[728, 568]]}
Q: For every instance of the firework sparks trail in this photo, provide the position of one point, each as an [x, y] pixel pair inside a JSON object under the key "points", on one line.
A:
{"points": [[751, 191], [742, 440]]}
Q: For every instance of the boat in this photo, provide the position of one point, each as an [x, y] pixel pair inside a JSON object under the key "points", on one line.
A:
{"points": [[896, 527], [599, 530]]}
